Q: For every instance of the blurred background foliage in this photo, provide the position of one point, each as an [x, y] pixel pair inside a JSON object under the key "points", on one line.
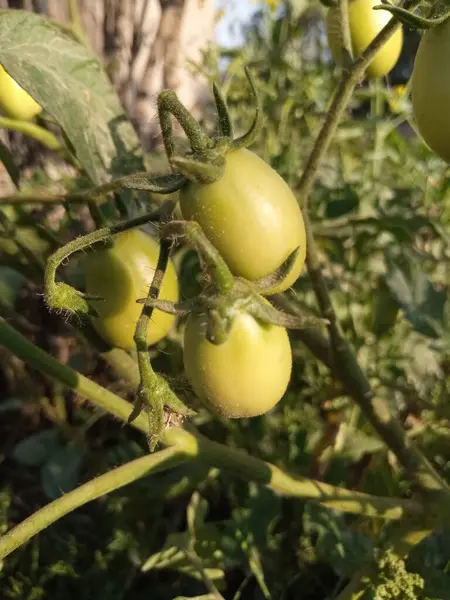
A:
{"points": [[381, 214]]}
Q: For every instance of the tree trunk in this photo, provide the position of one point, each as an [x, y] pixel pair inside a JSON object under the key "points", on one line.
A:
{"points": [[146, 45]]}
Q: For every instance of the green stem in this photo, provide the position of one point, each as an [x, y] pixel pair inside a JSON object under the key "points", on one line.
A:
{"points": [[377, 105], [115, 479], [37, 358], [191, 230], [124, 366], [78, 244], [47, 138], [158, 184], [154, 392], [344, 33], [169, 105], [252, 469]]}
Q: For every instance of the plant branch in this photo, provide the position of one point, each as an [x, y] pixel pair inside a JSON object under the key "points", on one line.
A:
{"points": [[158, 184], [115, 479], [44, 362], [47, 138], [154, 392], [252, 469]]}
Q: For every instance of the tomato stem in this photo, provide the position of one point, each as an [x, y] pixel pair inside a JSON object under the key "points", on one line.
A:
{"points": [[157, 184], [169, 105], [154, 392], [221, 275], [254, 469], [44, 362], [344, 33], [63, 297], [47, 138], [115, 479]]}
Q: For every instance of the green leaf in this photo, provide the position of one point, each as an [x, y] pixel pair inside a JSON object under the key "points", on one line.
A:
{"points": [[11, 281], [344, 549], [358, 443], [342, 202], [72, 87], [60, 473], [8, 162], [422, 303], [34, 450], [385, 311]]}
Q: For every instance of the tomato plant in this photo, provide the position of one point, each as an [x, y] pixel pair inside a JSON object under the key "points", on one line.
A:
{"points": [[247, 374], [121, 275], [251, 216], [14, 100], [365, 23], [431, 89]]}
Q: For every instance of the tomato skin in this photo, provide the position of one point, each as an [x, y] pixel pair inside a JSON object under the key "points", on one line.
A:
{"points": [[365, 24], [430, 89], [251, 216], [15, 102], [121, 275], [247, 374]]}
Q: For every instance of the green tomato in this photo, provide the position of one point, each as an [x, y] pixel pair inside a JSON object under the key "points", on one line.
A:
{"points": [[247, 374], [15, 101], [121, 275], [251, 216], [365, 24], [430, 89]]}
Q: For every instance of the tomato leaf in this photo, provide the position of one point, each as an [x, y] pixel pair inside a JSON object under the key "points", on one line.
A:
{"points": [[343, 201], [34, 450], [385, 311], [72, 87], [422, 303], [335, 543], [60, 473]]}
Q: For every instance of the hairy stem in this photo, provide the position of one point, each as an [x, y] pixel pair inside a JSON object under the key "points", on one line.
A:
{"points": [[37, 358], [191, 230], [259, 471], [115, 479]]}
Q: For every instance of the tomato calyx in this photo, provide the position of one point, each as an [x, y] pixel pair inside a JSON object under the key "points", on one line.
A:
{"points": [[221, 309], [412, 20], [205, 162]]}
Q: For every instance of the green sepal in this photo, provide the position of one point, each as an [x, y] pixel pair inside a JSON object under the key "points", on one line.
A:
{"points": [[279, 275], [411, 20], [251, 135], [198, 170]]}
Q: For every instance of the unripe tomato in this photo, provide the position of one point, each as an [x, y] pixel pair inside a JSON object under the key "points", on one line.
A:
{"points": [[251, 216], [15, 102], [121, 275], [430, 89], [365, 24], [247, 374]]}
